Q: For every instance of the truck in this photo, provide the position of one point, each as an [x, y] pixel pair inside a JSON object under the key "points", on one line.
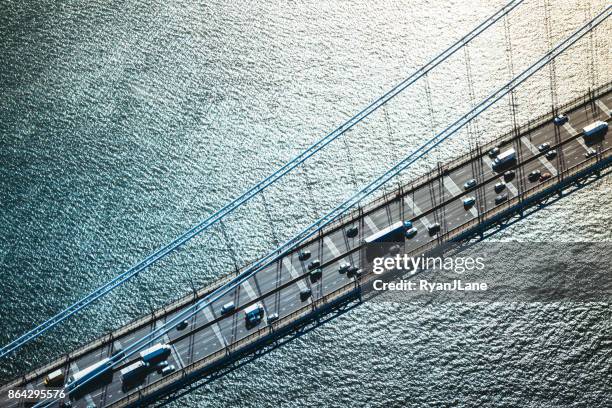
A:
{"points": [[55, 378], [254, 313], [155, 353], [96, 370], [133, 372], [392, 233], [596, 128], [504, 159]]}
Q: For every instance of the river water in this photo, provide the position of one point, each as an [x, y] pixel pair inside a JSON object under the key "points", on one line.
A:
{"points": [[125, 122]]}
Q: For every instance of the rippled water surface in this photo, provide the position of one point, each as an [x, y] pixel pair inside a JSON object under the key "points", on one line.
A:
{"points": [[122, 123]]}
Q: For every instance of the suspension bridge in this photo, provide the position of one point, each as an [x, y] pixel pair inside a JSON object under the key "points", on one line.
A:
{"points": [[206, 332]]}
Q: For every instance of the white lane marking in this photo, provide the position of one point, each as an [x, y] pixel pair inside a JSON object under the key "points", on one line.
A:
{"points": [[570, 129], [294, 274], [603, 107], [417, 211], [249, 290], [209, 316], [455, 191], [510, 186], [332, 247], [542, 159], [166, 339], [370, 224], [89, 401]]}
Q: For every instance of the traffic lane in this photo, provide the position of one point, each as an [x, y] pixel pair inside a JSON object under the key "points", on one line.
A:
{"points": [[605, 105]]}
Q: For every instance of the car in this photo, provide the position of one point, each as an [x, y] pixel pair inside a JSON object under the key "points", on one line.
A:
{"points": [[395, 249], [561, 119], [534, 175], [411, 233], [501, 198], [305, 294], [353, 271], [316, 274], [272, 318], [168, 370], [544, 147], [545, 176], [228, 307], [468, 202], [499, 187], [471, 183], [314, 264], [407, 224], [344, 266], [494, 152], [161, 365], [304, 255], [433, 229], [550, 154], [182, 325], [509, 175], [590, 153], [352, 232]]}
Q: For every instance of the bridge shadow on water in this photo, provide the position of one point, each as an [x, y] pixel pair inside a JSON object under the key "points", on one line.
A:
{"points": [[189, 385]]}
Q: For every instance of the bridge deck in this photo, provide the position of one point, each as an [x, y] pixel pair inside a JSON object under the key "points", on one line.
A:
{"points": [[435, 198]]}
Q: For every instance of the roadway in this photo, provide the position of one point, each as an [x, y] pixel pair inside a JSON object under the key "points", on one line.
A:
{"points": [[209, 331]]}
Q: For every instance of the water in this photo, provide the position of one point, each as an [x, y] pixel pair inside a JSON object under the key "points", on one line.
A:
{"points": [[124, 123]]}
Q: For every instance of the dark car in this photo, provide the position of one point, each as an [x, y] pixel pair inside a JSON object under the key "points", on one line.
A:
{"points": [[544, 147], [411, 233], [561, 119], [501, 198], [551, 154], [493, 152], [182, 325], [352, 232], [433, 229], [471, 183], [509, 175], [468, 202], [499, 187], [314, 264], [353, 271], [316, 274], [305, 294], [534, 175], [344, 266], [304, 255]]}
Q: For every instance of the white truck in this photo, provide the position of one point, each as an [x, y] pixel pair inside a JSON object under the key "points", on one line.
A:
{"points": [[594, 129], [134, 371], [254, 313], [95, 370], [504, 159], [155, 353]]}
